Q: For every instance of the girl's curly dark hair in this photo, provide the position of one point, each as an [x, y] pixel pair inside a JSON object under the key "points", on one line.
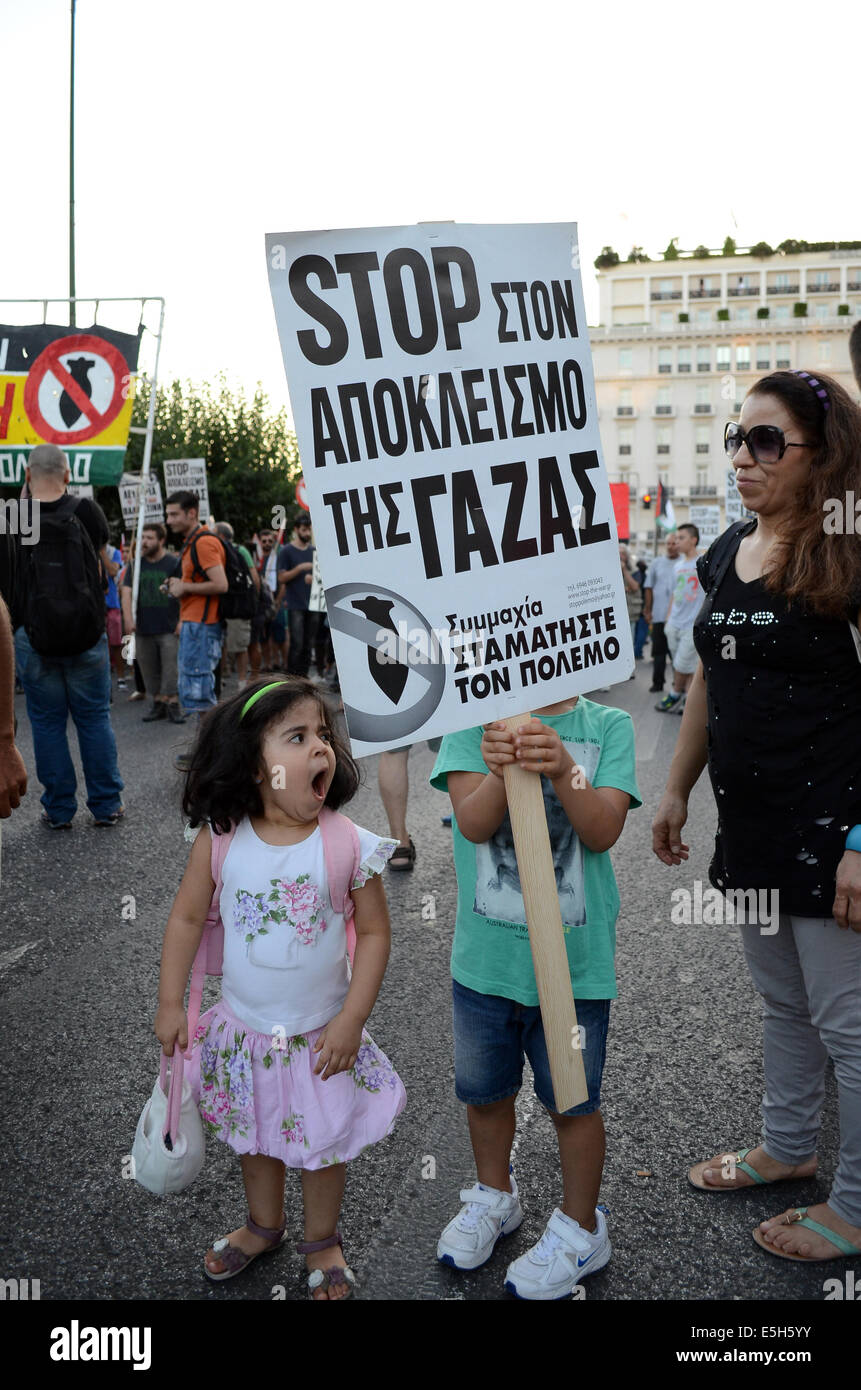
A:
{"points": [[220, 786]]}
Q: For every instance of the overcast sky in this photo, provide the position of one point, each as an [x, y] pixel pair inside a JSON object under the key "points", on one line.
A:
{"points": [[201, 126]]}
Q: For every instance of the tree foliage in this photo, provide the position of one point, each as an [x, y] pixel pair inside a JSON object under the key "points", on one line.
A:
{"points": [[607, 259], [251, 453], [701, 253], [728, 247], [672, 251]]}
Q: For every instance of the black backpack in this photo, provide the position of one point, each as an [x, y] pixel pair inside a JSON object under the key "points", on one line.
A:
{"points": [[240, 601], [62, 596]]}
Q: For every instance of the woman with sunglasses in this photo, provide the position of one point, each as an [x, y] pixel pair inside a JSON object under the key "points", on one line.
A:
{"points": [[775, 710]]}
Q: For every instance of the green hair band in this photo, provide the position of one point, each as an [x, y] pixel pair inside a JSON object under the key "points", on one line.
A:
{"points": [[273, 685]]}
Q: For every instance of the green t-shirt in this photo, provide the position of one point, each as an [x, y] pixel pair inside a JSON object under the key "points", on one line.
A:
{"points": [[491, 952]]}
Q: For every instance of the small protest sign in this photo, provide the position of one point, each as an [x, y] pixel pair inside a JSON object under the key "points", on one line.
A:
{"points": [[188, 475], [130, 496]]}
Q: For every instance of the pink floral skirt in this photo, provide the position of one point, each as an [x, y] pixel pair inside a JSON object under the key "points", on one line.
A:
{"points": [[259, 1094]]}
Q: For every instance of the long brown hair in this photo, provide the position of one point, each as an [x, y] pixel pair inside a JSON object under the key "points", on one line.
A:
{"points": [[821, 570]]}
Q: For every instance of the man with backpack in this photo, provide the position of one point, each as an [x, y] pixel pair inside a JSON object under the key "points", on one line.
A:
{"points": [[61, 647], [203, 581]]}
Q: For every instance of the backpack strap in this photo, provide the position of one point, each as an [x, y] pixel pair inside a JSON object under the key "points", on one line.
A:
{"points": [[723, 552], [220, 845], [342, 853], [196, 568]]}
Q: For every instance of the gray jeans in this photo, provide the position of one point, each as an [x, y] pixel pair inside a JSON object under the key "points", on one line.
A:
{"points": [[157, 659], [809, 977]]}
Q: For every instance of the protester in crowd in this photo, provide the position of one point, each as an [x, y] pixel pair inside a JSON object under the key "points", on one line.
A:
{"points": [[203, 579], [269, 626], [641, 631], [295, 567], [155, 624], [238, 635], [394, 783], [633, 595], [128, 554], [679, 627], [59, 611], [775, 708], [113, 617], [658, 594], [496, 1012]]}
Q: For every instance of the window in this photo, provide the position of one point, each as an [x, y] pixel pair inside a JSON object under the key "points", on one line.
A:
{"points": [[763, 357], [742, 359], [824, 353], [626, 359], [684, 359], [704, 358], [783, 355], [665, 318], [782, 311], [665, 360], [824, 311], [663, 438], [704, 316], [724, 358], [626, 439], [666, 286], [703, 404], [663, 404], [626, 401], [702, 479], [782, 281], [821, 279], [703, 437]]}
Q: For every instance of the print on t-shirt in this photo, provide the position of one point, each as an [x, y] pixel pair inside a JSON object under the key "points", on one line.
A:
{"points": [[295, 903], [498, 894]]}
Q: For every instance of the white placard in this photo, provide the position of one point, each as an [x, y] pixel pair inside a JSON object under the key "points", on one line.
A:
{"points": [[735, 508], [707, 522], [188, 475], [130, 496], [442, 391], [317, 596]]}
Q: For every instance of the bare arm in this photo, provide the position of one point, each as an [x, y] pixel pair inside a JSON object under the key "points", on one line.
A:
{"points": [[126, 601], [181, 940], [13, 774], [284, 576], [112, 566], [689, 759], [339, 1043], [215, 583], [479, 801], [648, 595]]}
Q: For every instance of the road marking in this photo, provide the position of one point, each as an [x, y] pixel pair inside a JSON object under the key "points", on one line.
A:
{"points": [[8, 958]]}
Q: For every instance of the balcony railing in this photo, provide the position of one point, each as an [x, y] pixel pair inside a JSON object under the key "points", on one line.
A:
{"points": [[624, 410], [823, 289], [704, 366], [704, 294], [663, 410], [684, 367], [702, 409], [782, 362], [624, 448], [743, 290], [666, 294], [665, 367], [702, 448], [853, 285], [703, 490], [782, 289]]}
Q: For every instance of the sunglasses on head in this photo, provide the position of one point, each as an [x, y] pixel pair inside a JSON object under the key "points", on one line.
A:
{"points": [[765, 443]]}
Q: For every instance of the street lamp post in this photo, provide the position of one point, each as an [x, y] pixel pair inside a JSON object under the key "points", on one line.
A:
{"points": [[72, 305]]}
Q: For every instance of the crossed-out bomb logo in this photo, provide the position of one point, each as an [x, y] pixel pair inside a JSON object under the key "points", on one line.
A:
{"points": [[405, 661]]}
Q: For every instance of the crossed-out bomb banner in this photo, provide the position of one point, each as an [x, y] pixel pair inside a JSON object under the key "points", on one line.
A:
{"points": [[441, 386], [60, 386]]}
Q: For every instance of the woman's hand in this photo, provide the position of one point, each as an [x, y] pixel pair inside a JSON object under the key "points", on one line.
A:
{"points": [[497, 747], [171, 1027], [538, 748], [338, 1045], [846, 910], [667, 829]]}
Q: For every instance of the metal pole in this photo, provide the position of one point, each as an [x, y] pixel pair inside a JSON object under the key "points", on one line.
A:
{"points": [[72, 318], [150, 429]]}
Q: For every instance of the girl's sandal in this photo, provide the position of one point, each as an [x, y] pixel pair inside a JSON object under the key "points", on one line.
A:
{"points": [[335, 1274], [235, 1259], [843, 1246]]}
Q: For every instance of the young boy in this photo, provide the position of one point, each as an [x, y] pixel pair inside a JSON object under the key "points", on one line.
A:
{"points": [[584, 754]]}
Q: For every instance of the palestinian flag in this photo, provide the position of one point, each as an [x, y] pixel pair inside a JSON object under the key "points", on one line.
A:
{"points": [[665, 516]]}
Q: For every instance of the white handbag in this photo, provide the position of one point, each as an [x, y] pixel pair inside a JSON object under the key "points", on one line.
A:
{"points": [[168, 1148]]}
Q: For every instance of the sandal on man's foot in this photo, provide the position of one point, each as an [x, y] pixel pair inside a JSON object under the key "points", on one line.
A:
{"points": [[736, 1160], [842, 1246], [403, 858], [235, 1259], [335, 1274]]}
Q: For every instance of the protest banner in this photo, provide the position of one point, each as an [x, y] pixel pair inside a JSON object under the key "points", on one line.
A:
{"points": [[188, 475], [707, 521], [130, 496], [76, 390], [442, 392], [317, 596], [735, 510], [301, 496]]}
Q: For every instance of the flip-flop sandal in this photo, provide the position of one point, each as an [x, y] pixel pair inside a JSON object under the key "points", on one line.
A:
{"points": [[235, 1259], [695, 1174], [403, 858], [335, 1274], [801, 1218]]}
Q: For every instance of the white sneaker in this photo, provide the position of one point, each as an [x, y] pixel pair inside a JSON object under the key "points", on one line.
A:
{"points": [[564, 1255], [468, 1240]]}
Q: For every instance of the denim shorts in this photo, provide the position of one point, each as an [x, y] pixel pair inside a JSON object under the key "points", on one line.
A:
{"points": [[199, 654], [492, 1034]]}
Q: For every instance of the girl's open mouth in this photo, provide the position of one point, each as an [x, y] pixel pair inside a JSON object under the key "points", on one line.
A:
{"points": [[318, 785]]}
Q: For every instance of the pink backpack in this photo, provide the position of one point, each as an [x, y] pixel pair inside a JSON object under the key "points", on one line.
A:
{"points": [[342, 855]]}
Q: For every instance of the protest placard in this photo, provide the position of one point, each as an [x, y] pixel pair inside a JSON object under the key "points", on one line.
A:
{"points": [[707, 521], [130, 496], [188, 475], [317, 596], [442, 391]]}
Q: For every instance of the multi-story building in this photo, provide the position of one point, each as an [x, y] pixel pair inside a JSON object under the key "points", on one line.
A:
{"points": [[681, 341]]}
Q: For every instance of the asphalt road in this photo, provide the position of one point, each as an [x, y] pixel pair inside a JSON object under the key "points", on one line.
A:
{"points": [[78, 979]]}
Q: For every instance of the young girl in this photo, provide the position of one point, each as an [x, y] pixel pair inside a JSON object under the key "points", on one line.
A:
{"points": [[496, 1015], [284, 1071]]}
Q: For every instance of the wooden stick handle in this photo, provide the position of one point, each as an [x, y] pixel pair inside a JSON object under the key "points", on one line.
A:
{"points": [[546, 935]]}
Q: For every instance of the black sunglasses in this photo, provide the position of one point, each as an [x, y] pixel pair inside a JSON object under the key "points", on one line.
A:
{"points": [[765, 443]]}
